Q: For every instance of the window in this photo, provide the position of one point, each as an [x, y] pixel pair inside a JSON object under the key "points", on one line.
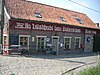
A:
{"points": [[24, 41], [77, 42], [67, 42], [78, 19], [62, 19], [38, 15], [41, 42]]}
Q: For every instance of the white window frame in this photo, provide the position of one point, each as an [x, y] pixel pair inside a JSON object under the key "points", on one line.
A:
{"points": [[37, 41], [57, 42], [62, 19], [69, 41], [78, 19], [24, 36], [38, 15], [79, 41]]}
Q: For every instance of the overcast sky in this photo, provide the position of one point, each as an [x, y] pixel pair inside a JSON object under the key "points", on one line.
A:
{"points": [[66, 4]]}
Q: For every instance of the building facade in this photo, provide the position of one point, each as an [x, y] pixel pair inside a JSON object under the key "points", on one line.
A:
{"points": [[42, 25]]}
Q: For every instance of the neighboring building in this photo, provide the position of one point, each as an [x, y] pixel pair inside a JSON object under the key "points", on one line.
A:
{"points": [[0, 6], [98, 26], [0, 22], [35, 26], [0, 11]]}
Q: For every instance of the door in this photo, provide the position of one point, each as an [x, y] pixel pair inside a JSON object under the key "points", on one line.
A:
{"points": [[55, 45]]}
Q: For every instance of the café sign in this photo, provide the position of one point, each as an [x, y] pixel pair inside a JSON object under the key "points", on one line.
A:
{"points": [[43, 27], [87, 31]]}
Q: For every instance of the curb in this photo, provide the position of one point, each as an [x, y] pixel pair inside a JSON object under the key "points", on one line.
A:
{"points": [[77, 67]]}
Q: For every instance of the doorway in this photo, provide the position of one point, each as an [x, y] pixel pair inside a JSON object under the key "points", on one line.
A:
{"points": [[55, 43]]}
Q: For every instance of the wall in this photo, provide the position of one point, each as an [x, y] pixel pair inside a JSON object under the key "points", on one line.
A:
{"points": [[49, 34], [88, 43], [89, 34], [6, 31]]}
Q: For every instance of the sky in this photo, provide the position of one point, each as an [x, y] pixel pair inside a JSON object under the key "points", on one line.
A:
{"points": [[67, 4]]}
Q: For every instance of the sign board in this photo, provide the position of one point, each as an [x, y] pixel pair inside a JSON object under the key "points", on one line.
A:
{"points": [[43, 27], [32, 39], [61, 44], [88, 39], [87, 31], [49, 44], [47, 39]]}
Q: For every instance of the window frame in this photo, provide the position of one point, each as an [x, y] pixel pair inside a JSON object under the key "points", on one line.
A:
{"points": [[69, 42], [37, 41], [78, 19], [79, 45], [28, 36], [37, 15], [62, 19]]}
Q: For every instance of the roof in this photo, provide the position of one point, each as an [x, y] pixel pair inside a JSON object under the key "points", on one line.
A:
{"points": [[22, 9]]}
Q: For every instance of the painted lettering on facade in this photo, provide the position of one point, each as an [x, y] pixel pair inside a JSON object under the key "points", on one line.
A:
{"points": [[32, 26], [19, 25], [90, 31], [42, 27], [27, 26], [67, 29], [57, 28]]}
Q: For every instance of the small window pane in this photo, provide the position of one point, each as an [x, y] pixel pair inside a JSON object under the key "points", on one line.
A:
{"points": [[23, 41], [67, 43], [38, 15], [62, 19], [78, 19], [41, 42], [77, 43]]}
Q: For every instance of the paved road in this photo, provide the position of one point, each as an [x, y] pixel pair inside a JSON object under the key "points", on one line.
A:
{"points": [[43, 64]]}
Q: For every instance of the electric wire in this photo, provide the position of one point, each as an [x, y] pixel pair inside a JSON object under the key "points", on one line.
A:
{"points": [[84, 6]]}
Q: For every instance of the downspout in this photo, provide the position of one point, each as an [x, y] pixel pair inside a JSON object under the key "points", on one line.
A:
{"points": [[84, 39], [2, 24]]}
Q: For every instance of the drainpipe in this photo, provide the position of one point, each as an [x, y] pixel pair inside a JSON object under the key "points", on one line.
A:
{"points": [[84, 39], [2, 22]]}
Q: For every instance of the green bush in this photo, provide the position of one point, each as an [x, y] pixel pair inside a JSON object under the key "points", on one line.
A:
{"points": [[91, 71]]}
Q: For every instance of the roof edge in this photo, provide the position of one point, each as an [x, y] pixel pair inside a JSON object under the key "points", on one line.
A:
{"points": [[52, 23], [54, 7], [7, 13]]}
